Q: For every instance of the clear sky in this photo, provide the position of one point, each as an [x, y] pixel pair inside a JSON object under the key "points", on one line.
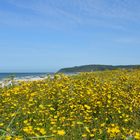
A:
{"points": [[46, 35]]}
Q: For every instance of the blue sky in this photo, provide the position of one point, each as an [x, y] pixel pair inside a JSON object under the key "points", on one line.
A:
{"points": [[46, 35]]}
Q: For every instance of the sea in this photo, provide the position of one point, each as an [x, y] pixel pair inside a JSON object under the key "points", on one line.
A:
{"points": [[23, 75]]}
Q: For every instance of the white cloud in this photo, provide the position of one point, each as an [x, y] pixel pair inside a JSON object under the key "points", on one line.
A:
{"points": [[128, 40], [106, 13]]}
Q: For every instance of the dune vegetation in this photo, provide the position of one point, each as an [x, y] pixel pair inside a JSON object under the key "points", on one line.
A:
{"points": [[87, 106]]}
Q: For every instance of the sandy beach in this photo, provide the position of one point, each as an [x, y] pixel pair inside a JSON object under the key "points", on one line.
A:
{"points": [[8, 82], [31, 79]]}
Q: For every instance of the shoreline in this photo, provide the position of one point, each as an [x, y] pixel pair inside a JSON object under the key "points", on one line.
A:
{"points": [[8, 82], [30, 79]]}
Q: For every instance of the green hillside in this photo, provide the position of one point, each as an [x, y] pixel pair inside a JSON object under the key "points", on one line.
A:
{"points": [[89, 68]]}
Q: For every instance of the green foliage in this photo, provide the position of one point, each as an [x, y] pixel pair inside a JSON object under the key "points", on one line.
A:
{"points": [[90, 68]]}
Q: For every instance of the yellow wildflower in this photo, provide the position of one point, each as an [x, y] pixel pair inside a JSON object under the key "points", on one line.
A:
{"points": [[61, 132]]}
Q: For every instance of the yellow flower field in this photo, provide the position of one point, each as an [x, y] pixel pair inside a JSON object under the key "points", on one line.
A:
{"points": [[88, 106]]}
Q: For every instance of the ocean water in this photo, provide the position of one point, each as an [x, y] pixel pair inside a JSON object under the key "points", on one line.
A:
{"points": [[22, 75]]}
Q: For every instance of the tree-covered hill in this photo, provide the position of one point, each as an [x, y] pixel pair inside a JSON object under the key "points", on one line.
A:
{"points": [[89, 68]]}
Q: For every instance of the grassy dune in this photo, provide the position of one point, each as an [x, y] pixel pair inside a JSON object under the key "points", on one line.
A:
{"points": [[88, 106]]}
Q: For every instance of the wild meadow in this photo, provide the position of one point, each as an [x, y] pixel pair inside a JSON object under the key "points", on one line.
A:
{"points": [[87, 106]]}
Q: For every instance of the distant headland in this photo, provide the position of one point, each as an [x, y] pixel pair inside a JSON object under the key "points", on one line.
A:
{"points": [[89, 68]]}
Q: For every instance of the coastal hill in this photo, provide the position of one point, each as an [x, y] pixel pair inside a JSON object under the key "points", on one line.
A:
{"points": [[89, 68]]}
